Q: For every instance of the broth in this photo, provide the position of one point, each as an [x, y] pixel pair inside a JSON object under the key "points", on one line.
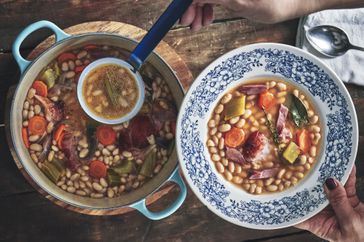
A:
{"points": [[264, 136], [87, 158], [110, 91]]}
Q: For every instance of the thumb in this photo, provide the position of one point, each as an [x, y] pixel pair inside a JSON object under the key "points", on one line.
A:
{"points": [[339, 201]]}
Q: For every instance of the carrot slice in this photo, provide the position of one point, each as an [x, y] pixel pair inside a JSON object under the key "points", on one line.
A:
{"points": [[40, 88], [37, 125], [60, 139], [90, 47], [234, 137], [105, 135], [97, 169], [303, 140], [266, 100], [24, 134], [79, 69], [65, 57], [59, 132]]}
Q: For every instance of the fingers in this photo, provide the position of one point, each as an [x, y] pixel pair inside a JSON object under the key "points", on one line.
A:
{"points": [[208, 14], [351, 189], [197, 22], [197, 16], [339, 201], [188, 16]]}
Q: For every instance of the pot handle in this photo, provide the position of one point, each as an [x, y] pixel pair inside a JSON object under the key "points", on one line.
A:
{"points": [[141, 207], [23, 63]]}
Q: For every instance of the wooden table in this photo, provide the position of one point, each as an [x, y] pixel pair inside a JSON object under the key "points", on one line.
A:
{"points": [[27, 216]]}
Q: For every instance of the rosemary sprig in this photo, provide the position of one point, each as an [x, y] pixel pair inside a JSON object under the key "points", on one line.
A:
{"points": [[271, 128], [110, 90]]}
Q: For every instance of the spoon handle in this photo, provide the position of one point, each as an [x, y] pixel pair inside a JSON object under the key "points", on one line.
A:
{"points": [[357, 47], [158, 31]]}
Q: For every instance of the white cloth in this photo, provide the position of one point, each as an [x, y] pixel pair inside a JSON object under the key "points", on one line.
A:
{"points": [[350, 66]]}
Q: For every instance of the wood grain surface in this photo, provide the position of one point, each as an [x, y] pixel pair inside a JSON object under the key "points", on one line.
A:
{"points": [[27, 216]]}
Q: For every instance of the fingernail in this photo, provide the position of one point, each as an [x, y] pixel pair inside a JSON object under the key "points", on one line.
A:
{"points": [[330, 183]]}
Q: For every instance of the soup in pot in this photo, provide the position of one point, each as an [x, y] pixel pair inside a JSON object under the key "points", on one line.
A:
{"points": [[87, 158]]}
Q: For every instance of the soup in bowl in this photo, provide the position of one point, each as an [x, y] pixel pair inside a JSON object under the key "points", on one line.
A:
{"points": [[264, 136]]}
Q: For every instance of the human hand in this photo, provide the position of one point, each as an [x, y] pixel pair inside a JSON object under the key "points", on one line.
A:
{"points": [[343, 219], [200, 13]]}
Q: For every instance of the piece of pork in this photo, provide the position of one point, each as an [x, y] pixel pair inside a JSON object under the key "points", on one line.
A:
{"points": [[256, 147], [235, 155], [284, 133], [264, 174], [253, 89], [53, 110]]}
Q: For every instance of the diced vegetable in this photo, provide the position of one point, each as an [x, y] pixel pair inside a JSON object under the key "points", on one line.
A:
{"points": [[50, 76], [53, 170], [303, 140], [60, 139], [59, 132], [126, 166], [266, 100], [106, 135], [234, 137], [235, 107], [149, 163], [40, 88], [291, 153], [37, 125], [79, 69], [298, 111], [24, 134], [66, 57], [57, 70], [113, 179], [97, 169]]}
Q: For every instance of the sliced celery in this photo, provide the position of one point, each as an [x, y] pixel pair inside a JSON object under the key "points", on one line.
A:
{"points": [[235, 107], [291, 153], [149, 163], [126, 166], [113, 178]]}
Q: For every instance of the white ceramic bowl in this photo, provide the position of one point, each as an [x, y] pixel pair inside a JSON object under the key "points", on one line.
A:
{"points": [[339, 130], [128, 67]]}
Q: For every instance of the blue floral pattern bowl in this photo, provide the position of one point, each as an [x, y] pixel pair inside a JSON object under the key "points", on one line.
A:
{"points": [[338, 150]]}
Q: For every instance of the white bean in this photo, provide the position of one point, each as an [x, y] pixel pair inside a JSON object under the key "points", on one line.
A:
{"points": [[219, 109], [225, 99], [36, 147], [224, 128]]}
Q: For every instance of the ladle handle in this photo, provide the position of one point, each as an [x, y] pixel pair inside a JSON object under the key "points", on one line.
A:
{"points": [[357, 47], [158, 31]]}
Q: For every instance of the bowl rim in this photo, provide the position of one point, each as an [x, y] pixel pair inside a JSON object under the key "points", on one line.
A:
{"points": [[110, 61], [228, 55]]}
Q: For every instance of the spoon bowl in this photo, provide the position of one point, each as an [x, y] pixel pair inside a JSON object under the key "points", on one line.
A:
{"points": [[136, 59], [136, 76], [329, 40]]}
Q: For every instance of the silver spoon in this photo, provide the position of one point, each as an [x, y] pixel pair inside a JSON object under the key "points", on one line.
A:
{"points": [[329, 40]]}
